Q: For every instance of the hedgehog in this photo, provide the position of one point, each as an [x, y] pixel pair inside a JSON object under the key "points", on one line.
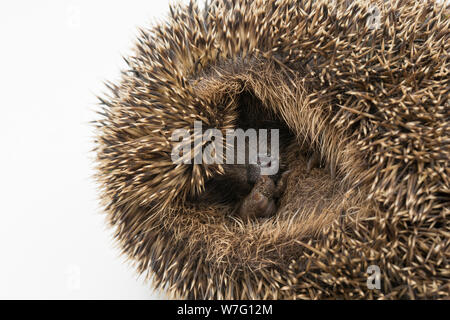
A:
{"points": [[360, 93]]}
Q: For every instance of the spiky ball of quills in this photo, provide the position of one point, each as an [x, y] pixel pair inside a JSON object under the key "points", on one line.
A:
{"points": [[372, 101]]}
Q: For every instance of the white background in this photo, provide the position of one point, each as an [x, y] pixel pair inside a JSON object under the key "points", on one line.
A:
{"points": [[54, 57]]}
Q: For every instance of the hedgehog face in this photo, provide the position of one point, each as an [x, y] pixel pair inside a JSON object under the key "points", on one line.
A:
{"points": [[314, 185], [239, 186]]}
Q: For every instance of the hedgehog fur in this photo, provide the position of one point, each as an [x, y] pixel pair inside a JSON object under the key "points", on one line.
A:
{"points": [[372, 102]]}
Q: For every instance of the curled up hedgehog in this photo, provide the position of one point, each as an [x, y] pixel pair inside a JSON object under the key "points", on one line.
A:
{"points": [[360, 205]]}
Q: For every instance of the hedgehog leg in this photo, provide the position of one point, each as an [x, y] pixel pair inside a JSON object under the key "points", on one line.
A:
{"points": [[255, 205], [259, 203]]}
